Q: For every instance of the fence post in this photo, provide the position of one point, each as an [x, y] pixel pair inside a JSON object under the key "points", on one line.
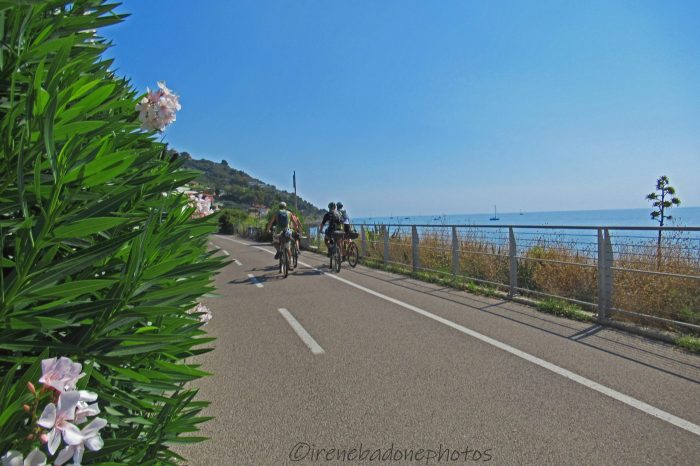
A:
{"points": [[414, 248], [609, 271], [513, 269], [455, 253], [385, 232], [605, 260], [363, 243]]}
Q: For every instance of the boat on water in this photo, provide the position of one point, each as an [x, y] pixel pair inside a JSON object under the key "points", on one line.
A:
{"points": [[495, 214]]}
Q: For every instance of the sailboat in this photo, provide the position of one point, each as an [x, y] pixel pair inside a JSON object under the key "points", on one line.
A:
{"points": [[495, 215]]}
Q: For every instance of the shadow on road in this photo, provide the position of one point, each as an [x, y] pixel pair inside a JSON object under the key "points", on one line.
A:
{"points": [[644, 351]]}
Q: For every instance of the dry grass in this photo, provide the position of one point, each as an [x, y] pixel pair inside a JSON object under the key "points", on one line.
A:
{"points": [[562, 268]]}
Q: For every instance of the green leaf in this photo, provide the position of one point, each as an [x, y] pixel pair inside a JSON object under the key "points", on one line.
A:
{"points": [[75, 288], [42, 98], [87, 227], [62, 132]]}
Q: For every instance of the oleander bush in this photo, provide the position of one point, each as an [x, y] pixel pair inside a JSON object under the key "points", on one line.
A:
{"points": [[102, 261]]}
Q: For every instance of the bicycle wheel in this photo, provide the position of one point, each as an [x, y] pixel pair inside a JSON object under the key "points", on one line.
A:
{"points": [[284, 263], [295, 255], [336, 257], [332, 254], [353, 255]]}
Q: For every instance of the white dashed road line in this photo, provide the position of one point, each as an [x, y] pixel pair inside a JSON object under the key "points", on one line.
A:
{"points": [[607, 391], [301, 331], [255, 281]]}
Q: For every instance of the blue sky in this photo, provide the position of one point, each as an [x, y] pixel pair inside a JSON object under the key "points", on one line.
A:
{"points": [[422, 107]]}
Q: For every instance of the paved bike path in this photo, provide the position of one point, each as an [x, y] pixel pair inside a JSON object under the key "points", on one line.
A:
{"points": [[389, 376]]}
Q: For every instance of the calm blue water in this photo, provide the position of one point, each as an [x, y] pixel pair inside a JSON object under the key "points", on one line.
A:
{"points": [[683, 217]]}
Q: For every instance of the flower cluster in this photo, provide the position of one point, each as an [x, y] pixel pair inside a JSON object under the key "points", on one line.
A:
{"points": [[205, 314], [60, 418], [157, 109], [202, 206]]}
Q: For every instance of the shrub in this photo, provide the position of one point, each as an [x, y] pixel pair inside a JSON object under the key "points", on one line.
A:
{"points": [[100, 257]]}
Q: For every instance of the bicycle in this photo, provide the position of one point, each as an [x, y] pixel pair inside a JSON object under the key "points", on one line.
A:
{"points": [[335, 243], [284, 252], [352, 253]]}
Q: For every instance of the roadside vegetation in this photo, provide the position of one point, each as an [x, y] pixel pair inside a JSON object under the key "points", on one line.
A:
{"points": [[555, 266], [104, 264]]}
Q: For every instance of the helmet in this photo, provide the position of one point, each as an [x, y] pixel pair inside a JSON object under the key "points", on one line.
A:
{"points": [[331, 205], [339, 204], [283, 205]]}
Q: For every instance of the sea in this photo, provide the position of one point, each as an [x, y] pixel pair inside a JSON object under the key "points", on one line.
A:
{"points": [[682, 217]]}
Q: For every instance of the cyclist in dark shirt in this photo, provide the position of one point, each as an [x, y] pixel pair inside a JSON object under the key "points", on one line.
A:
{"points": [[334, 221]]}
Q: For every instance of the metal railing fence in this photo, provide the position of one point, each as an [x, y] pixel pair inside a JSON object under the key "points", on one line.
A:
{"points": [[623, 273]]}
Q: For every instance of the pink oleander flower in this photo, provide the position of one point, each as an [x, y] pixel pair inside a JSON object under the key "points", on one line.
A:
{"points": [[56, 418], [15, 458], [89, 438], [61, 374], [157, 109]]}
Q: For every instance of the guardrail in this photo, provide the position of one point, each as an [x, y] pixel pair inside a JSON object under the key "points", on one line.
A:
{"points": [[622, 273]]}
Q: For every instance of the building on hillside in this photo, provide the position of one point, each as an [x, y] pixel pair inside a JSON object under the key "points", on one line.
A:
{"points": [[258, 210]]}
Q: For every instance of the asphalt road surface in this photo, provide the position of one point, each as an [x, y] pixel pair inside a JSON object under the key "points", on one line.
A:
{"points": [[368, 367]]}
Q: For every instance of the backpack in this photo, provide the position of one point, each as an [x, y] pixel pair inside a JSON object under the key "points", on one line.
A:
{"points": [[283, 219], [336, 218]]}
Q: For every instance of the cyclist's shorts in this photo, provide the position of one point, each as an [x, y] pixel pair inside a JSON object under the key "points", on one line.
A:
{"points": [[346, 227]]}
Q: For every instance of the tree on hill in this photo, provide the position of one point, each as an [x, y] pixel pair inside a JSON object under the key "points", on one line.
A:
{"points": [[242, 190]]}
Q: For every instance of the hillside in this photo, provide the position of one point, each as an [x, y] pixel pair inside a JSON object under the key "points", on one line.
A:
{"points": [[235, 188]]}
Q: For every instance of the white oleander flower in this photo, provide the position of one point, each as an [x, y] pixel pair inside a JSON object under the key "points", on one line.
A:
{"points": [[61, 374], [89, 438], [57, 419], [15, 458], [205, 314]]}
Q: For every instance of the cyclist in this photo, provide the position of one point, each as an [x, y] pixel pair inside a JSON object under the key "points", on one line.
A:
{"points": [[346, 225], [334, 221], [344, 216], [281, 221], [296, 233]]}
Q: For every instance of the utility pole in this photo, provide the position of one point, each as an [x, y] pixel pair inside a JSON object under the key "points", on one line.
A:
{"points": [[294, 180]]}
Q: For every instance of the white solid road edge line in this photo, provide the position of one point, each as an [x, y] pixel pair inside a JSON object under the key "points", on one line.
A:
{"points": [[255, 281], [301, 331], [628, 400]]}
